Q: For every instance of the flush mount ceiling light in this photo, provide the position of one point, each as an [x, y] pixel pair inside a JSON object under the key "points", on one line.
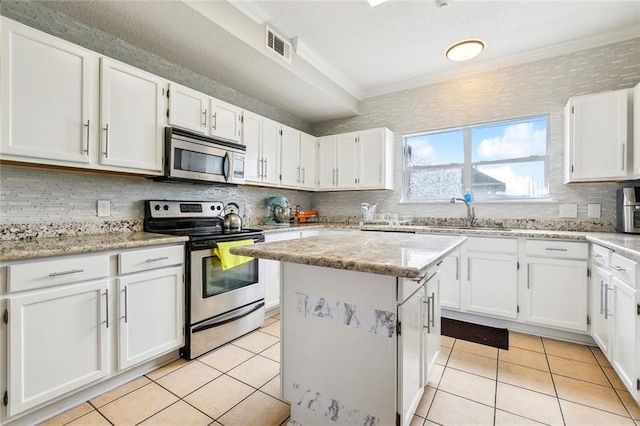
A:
{"points": [[374, 3], [465, 50]]}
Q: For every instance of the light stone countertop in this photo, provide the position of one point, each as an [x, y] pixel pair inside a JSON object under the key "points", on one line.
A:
{"points": [[383, 253], [42, 247], [623, 244]]}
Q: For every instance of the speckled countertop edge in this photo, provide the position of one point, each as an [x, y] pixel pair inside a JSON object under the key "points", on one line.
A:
{"points": [[56, 246], [399, 255], [623, 244]]}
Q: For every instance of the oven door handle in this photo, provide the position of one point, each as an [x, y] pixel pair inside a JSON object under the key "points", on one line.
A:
{"points": [[226, 167], [228, 317]]}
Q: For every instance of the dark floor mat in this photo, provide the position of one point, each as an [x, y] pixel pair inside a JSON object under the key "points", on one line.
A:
{"points": [[485, 335]]}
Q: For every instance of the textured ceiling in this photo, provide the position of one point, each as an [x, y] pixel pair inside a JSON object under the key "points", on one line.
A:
{"points": [[367, 51]]}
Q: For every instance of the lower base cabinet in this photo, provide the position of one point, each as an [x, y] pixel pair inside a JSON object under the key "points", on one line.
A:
{"points": [[625, 350], [57, 343]]}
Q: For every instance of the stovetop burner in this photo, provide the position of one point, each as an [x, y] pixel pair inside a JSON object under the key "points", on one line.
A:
{"points": [[196, 219]]}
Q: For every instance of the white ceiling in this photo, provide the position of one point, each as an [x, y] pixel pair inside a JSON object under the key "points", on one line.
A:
{"points": [[351, 50]]}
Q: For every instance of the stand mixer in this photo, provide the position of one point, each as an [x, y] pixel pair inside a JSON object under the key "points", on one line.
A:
{"points": [[279, 211]]}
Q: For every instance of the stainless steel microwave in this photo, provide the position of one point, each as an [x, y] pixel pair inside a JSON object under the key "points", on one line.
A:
{"points": [[628, 210], [197, 158]]}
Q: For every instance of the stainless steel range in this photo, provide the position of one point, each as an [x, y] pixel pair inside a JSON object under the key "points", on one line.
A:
{"points": [[221, 305]]}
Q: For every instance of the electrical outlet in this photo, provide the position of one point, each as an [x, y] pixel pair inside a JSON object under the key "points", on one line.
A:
{"points": [[594, 211], [301, 304], [104, 208]]}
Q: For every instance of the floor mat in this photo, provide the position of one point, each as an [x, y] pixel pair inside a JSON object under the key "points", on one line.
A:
{"points": [[485, 335]]}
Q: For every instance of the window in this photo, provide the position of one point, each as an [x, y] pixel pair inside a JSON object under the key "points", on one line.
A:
{"points": [[497, 161]]}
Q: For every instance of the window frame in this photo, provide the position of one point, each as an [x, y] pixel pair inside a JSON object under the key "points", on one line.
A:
{"points": [[468, 164]]}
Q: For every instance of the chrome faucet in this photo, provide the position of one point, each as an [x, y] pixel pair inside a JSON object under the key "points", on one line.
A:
{"points": [[471, 215]]}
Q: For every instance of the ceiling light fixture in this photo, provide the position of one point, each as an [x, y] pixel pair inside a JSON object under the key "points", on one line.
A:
{"points": [[374, 3], [465, 50], [442, 3]]}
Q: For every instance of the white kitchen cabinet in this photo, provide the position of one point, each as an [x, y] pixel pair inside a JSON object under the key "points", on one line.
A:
{"points": [[225, 120], [410, 354], [58, 342], [270, 271], [57, 312], [188, 108], [261, 136], [598, 137], [150, 314], [450, 281], [48, 96], [131, 118], [356, 160], [488, 292], [290, 158], [636, 131], [431, 325], [308, 161], [601, 298], [626, 342]]}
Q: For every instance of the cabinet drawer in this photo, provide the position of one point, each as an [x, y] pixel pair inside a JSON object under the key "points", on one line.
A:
{"points": [[624, 269], [557, 249], [143, 260], [49, 273], [600, 255], [492, 245]]}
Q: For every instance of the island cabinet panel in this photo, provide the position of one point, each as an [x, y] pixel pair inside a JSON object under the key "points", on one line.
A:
{"points": [[357, 348], [339, 346]]}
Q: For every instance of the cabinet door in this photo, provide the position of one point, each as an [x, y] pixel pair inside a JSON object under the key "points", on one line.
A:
{"points": [[327, 162], [346, 161], [188, 108], [252, 138], [598, 136], [490, 292], [556, 293], [150, 313], [308, 161], [601, 309], [636, 131], [626, 358], [410, 374], [57, 342], [270, 151], [47, 96], [450, 282], [431, 326], [371, 153], [290, 157], [131, 118], [225, 120], [270, 274]]}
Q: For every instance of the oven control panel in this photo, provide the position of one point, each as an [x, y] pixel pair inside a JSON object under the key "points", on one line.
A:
{"points": [[178, 209]]}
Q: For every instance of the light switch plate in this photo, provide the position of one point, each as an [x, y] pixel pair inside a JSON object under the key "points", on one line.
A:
{"points": [[594, 210], [104, 208], [568, 210]]}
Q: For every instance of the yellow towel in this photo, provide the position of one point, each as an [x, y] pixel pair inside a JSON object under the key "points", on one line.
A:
{"points": [[229, 260]]}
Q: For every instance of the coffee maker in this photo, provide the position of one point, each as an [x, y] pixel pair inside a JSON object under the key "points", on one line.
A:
{"points": [[279, 211]]}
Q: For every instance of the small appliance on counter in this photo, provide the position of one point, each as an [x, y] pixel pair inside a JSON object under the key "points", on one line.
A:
{"points": [[307, 216], [279, 211], [368, 211], [628, 210]]}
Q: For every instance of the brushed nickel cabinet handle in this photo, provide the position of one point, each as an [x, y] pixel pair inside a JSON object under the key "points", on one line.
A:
{"points": [[88, 126], [204, 116], [556, 249], [106, 140], [528, 276], [155, 259], [214, 118], [126, 307], [106, 302], [72, 271]]}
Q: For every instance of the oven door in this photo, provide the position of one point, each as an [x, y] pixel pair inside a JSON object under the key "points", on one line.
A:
{"points": [[214, 291]]}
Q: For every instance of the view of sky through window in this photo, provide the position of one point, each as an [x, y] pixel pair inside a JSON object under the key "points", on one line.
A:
{"points": [[506, 160]]}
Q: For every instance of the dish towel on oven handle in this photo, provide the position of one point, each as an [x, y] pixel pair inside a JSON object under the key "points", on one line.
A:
{"points": [[229, 260]]}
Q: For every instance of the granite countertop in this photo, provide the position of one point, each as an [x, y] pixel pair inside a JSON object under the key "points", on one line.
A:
{"points": [[401, 255], [480, 231], [623, 244], [42, 247]]}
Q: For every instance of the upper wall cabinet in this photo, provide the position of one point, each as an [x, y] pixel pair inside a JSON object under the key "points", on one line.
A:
{"points": [[636, 132], [60, 108], [598, 137], [357, 160], [200, 113], [298, 159], [261, 136]]}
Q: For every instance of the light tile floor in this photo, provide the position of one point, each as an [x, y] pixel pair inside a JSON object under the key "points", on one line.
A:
{"points": [[537, 381]]}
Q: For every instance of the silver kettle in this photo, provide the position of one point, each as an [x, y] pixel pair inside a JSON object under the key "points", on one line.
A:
{"points": [[232, 221]]}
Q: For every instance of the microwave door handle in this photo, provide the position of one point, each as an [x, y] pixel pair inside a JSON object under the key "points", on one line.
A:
{"points": [[226, 167]]}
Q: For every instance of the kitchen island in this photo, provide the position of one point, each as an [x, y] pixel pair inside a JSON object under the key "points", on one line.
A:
{"points": [[360, 323]]}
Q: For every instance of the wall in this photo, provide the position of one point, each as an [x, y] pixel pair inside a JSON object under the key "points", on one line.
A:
{"points": [[540, 87], [64, 202]]}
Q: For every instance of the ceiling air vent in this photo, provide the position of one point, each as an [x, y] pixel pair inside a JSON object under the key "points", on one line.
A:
{"points": [[278, 45]]}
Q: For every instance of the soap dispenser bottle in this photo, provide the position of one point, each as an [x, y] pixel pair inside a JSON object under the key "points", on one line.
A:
{"points": [[467, 195]]}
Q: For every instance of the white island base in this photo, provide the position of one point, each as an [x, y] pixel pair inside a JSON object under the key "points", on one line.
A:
{"points": [[357, 348]]}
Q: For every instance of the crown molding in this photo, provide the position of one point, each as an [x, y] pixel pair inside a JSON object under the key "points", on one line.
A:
{"points": [[253, 12], [559, 49]]}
